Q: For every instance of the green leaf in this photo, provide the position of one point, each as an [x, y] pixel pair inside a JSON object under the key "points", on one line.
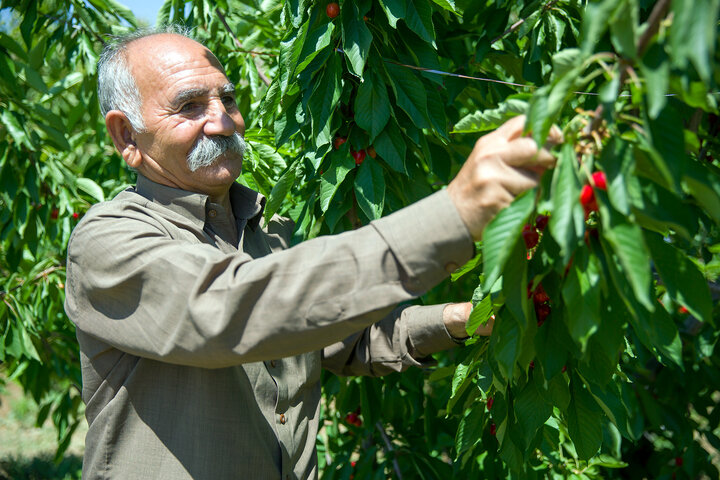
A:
{"points": [[410, 94], [501, 234], [684, 282], [342, 164], [462, 379], [390, 146], [531, 411], [485, 120], [655, 329], [469, 431], [446, 4], [16, 131], [370, 188], [418, 16], [595, 22], [317, 40], [372, 105], [505, 343], [480, 315], [704, 185], [656, 69], [356, 37], [290, 49], [628, 244], [623, 26], [279, 192], [668, 139], [619, 162], [693, 35], [468, 267], [566, 60], [90, 187], [567, 219], [11, 45], [394, 9], [323, 101], [585, 420], [581, 294]]}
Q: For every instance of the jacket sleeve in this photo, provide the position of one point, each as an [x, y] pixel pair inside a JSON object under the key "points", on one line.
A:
{"points": [[183, 302], [407, 337]]}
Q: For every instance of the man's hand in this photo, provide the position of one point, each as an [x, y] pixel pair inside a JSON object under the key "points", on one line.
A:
{"points": [[456, 315], [502, 165]]}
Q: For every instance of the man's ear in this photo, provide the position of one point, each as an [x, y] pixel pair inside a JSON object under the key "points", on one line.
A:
{"points": [[123, 136]]}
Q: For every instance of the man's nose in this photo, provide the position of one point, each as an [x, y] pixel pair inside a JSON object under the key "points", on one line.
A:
{"points": [[219, 122]]}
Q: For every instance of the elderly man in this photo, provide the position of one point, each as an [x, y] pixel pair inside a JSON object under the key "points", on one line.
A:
{"points": [[201, 332]]}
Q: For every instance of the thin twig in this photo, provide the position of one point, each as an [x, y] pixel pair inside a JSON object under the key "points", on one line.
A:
{"points": [[517, 24], [653, 25], [261, 74], [37, 277], [390, 449]]}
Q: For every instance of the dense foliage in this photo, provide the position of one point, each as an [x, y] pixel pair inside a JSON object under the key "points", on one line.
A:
{"points": [[603, 362]]}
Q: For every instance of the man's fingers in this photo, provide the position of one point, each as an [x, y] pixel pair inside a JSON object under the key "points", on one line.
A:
{"points": [[512, 129], [555, 137], [523, 152]]}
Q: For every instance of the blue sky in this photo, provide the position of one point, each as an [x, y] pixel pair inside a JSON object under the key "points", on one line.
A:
{"points": [[144, 9]]}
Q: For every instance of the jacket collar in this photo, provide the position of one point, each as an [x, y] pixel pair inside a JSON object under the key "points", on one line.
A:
{"points": [[247, 204]]}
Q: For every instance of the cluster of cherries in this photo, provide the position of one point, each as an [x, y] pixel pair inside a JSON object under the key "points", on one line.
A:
{"points": [[587, 194], [358, 155], [541, 300], [353, 418], [55, 212]]}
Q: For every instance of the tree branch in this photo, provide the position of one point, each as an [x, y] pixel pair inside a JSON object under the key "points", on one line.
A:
{"points": [[261, 73], [390, 449], [653, 25], [517, 24]]}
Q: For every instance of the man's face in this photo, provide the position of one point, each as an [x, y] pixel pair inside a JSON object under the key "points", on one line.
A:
{"points": [[190, 114]]}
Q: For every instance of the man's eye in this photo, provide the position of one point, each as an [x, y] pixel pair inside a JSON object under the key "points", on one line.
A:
{"points": [[189, 107], [229, 100]]}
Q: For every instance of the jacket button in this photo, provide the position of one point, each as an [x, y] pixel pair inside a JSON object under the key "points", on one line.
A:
{"points": [[212, 213], [282, 419]]}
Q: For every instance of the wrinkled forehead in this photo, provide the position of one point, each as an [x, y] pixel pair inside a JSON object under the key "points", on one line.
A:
{"points": [[165, 62]]}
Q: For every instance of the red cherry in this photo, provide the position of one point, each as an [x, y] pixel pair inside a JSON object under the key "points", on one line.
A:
{"points": [[587, 196], [540, 295], [490, 402], [682, 310], [371, 151], [542, 311], [338, 142], [332, 10], [75, 215], [541, 222], [359, 156], [587, 200], [493, 429], [54, 213], [564, 369], [532, 365], [679, 461], [530, 236], [600, 180]]}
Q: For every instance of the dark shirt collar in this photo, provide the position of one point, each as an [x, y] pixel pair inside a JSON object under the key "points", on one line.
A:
{"points": [[247, 204]]}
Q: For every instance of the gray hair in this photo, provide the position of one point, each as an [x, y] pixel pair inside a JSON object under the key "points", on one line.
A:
{"points": [[117, 88]]}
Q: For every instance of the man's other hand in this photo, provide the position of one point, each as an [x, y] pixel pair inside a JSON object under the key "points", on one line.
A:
{"points": [[456, 315], [502, 165]]}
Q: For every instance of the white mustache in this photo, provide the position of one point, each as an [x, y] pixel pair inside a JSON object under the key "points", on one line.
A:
{"points": [[208, 149]]}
